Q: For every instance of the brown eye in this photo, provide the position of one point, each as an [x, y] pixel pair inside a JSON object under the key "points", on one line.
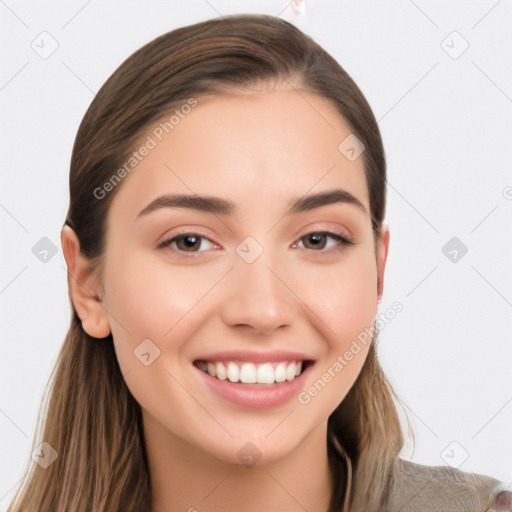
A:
{"points": [[320, 240], [187, 243], [315, 241]]}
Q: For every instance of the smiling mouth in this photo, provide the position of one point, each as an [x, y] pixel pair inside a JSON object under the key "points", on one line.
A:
{"points": [[253, 373]]}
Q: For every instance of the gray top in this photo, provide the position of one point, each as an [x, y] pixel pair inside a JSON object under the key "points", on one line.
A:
{"points": [[422, 488]]}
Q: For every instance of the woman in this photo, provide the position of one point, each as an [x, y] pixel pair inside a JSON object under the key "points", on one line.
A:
{"points": [[226, 252]]}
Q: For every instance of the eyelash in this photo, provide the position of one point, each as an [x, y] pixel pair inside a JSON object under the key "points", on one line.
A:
{"points": [[343, 242]]}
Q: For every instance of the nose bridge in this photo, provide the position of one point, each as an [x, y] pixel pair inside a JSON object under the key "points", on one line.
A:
{"points": [[258, 297]]}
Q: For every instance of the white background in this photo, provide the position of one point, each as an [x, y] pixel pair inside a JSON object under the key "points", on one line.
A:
{"points": [[446, 124]]}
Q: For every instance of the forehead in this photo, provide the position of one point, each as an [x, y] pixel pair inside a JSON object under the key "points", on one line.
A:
{"points": [[249, 148]]}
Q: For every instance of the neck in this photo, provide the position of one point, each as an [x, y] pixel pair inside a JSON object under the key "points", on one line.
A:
{"points": [[186, 478]]}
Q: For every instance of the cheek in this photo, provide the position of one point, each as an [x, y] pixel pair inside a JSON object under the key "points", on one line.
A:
{"points": [[343, 296], [345, 301], [147, 298]]}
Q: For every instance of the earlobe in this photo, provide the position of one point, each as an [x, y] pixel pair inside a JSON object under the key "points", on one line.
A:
{"points": [[84, 291]]}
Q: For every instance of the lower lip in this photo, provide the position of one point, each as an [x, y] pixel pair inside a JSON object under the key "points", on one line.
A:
{"points": [[256, 396]]}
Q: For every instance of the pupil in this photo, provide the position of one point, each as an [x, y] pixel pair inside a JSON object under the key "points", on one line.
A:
{"points": [[316, 239], [190, 241]]}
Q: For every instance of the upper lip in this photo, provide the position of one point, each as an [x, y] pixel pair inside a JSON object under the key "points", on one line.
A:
{"points": [[255, 357]]}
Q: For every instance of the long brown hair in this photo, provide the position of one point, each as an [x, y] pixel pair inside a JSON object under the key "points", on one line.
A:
{"points": [[89, 417]]}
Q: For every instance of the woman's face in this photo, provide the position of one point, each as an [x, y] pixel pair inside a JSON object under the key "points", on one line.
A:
{"points": [[246, 277]]}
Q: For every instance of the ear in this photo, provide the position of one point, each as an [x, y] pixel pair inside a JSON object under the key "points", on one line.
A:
{"points": [[382, 256], [84, 290]]}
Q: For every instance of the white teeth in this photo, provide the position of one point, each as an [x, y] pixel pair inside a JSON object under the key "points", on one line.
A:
{"points": [[265, 374], [280, 372], [233, 372], [221, 372], [250, 373], [291, 369], [211, 369]]}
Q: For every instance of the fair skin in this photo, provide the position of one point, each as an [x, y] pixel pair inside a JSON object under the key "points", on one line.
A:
{"points": [[258, 151]]}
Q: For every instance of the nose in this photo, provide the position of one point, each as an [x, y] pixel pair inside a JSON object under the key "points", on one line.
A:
{"points": [[259, 298]]}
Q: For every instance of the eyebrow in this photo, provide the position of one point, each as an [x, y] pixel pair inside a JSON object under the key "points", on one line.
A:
{"points": [[221, 206]]}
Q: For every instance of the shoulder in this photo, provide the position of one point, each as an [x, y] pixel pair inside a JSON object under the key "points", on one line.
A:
{"points": [[433, 488]]}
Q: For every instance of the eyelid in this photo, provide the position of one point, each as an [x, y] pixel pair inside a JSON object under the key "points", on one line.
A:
{"points": [[184, 231], [343, 240], [325, 227], [169, 240]]}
